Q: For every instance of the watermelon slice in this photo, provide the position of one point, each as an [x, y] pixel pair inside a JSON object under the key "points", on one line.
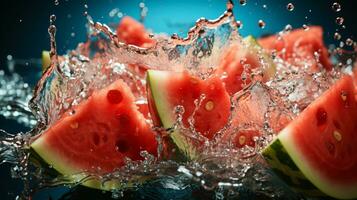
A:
{"points": [[167, 90], [106, 128], [244, 58], [316, 154], [133, 32], [300, 46]]}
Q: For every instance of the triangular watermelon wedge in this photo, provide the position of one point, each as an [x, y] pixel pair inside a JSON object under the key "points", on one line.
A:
{"points": [[105, 128], [316, 154], [168, 90]]}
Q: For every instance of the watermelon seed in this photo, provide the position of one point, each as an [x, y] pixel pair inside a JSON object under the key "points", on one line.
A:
{"points": [[330, 147], [321, 116], [122, 146], [114, 96], [96, 139], [209, 105], [337, 135], [344, 98], [241, 139], [74, 125]]}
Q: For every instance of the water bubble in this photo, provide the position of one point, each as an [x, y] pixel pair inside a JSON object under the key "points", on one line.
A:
{"points": [[336, 7], [337, 36], [261, 23], [73, 34], [52, 18], [113, 12], [20, 20], [120, 14], [85, 13], [85, 6], [56, 2], [290, 7], [349, 42], [265, 6], [243, 2], [339, 20]]}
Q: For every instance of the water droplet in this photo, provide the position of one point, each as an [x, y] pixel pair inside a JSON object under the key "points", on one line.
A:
{"points": [[337, 36], [265, 6], [290, 7], [349, 42], [337, 135], [9, 57], [20, 20], [321, 116], [239, 24], [85, 6], [209, 105], [336, 7], [85, 13], [339, 20], [288, 28], [261, 23], [52, 18], [342, 44], [243, 2], [73, 34], [141, 4], [305, 27], [114, 96], [56, 2]]}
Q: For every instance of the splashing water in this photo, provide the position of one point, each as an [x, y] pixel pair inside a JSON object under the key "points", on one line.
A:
{"points": [[222, 168]]}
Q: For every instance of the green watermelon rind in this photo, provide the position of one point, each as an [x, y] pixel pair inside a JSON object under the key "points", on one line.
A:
{"points": [[252, 46], [42, 154], [167, 116], [288, 163]]}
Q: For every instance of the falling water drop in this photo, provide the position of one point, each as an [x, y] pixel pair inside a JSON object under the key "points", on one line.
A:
{"points": [[339, 20], [261, 23], [337, 36], [305, 27], [290, 7], [336, 7], [52, 19], [243, 2], [349, 42]]}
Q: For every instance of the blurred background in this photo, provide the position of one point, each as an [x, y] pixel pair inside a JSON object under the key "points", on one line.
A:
{"points": [[24, 35]]}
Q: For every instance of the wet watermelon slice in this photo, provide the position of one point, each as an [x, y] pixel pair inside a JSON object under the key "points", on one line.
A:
{"points": [[300, 47], [104, 129], [317, 152], [238, 62], [167, 90]]}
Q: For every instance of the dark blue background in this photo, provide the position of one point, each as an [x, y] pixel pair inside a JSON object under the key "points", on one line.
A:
{"points": [[24, 34]]}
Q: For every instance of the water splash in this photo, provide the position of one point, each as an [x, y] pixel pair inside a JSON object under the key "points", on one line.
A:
{"points": [[222, 167]]}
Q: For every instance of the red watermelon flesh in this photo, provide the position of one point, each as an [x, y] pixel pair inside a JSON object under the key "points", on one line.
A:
{"points": [[133, 32], [300, 47], [183, 89], [238, 62], [167, 90], [104, 129], [322, 141]]}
